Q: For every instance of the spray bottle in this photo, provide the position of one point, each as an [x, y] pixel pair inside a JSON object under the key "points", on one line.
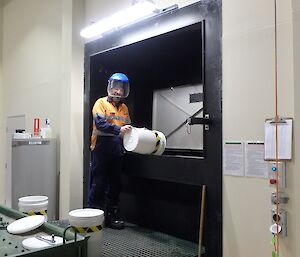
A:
{"points": [[46, 132]]}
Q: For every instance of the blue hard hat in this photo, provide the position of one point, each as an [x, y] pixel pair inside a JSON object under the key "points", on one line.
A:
{"points": [[120, 77]]}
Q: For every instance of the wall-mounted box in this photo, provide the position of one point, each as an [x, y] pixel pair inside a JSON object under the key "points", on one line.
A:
{"points": [[282, 220], [272, 172], [282, 198]]}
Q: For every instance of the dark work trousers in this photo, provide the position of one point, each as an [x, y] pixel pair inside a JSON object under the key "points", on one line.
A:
{"points": [[105, 180]]}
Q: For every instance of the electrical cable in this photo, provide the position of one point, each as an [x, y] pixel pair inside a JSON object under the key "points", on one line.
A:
{"points": [[276, 127]]}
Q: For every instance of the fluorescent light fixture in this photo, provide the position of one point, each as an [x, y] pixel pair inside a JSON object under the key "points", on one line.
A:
{"points": [[141, 9]]}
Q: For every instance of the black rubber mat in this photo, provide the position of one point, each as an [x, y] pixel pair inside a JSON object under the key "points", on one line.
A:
{"points": [[134, 241]]}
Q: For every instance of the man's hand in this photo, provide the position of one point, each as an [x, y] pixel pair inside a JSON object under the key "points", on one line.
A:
{"points": [[125, 129]]}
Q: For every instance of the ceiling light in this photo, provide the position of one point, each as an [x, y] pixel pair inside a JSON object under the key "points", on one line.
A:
{"points": [[140, 10]]}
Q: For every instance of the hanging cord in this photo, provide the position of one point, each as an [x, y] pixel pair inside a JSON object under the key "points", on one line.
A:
{"points": [[276, 128], [183, 123]]}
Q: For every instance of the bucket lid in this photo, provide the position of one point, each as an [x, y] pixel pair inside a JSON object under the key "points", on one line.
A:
{"points": [[33, 205], [33, 199], [86, 217], [86, 213], [26, 224], [33, 243]]}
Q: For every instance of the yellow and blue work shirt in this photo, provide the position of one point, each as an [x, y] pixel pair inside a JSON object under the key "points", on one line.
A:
{"points": [[108, 119]]}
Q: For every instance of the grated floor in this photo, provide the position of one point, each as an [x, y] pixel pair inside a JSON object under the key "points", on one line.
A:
{"points": [[134, 241]]}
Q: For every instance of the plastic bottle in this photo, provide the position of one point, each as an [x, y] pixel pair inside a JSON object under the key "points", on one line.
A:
{"points": [[46, 132]]}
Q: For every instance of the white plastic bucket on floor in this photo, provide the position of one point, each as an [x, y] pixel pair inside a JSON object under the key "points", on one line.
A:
{"points": [[145, 141], [89, 222], [34, 205]]}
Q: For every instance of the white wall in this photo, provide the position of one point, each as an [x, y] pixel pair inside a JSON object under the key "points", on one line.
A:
{"points": [[295, 182], [248, 97], [32, 60], [43, 77], [71, 115], [77, 101], [2, 125]]}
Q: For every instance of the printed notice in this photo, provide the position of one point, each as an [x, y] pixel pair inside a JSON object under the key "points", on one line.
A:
{"points": [[255, 165], [285, 129], [233, 158]]}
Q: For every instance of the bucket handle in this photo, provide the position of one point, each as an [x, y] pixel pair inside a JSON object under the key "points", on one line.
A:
{"points": [[65, 231]]}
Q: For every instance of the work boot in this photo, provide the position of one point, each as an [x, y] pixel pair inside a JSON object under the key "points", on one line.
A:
{"points": [[112, 218]]}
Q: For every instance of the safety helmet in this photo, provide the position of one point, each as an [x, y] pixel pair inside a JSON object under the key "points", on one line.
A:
{"points": [[118, 86]]}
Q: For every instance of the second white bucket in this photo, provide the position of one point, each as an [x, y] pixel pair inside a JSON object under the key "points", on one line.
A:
{"points": [[34, 205], [145, 141], [89, 222]]}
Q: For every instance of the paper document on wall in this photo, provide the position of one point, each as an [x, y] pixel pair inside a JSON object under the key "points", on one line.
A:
{"points": [[233, 158], [255, 165], [285, 129]]}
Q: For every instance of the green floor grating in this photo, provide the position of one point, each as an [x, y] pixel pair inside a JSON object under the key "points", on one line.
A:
{"points": [[135, 241]]}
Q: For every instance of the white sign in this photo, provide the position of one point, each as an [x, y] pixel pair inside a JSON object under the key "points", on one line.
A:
{"points": [[255, 165], [284, 139], [233, 158]]}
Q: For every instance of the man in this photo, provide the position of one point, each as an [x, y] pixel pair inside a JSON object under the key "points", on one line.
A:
{"points": [[111, 122]]}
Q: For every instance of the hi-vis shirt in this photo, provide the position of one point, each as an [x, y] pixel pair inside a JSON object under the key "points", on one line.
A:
{"points": [[108, 119]]}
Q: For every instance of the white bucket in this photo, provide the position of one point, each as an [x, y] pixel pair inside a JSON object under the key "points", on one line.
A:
{"points": [[89, 222], [34, 205], [145, 141]]}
